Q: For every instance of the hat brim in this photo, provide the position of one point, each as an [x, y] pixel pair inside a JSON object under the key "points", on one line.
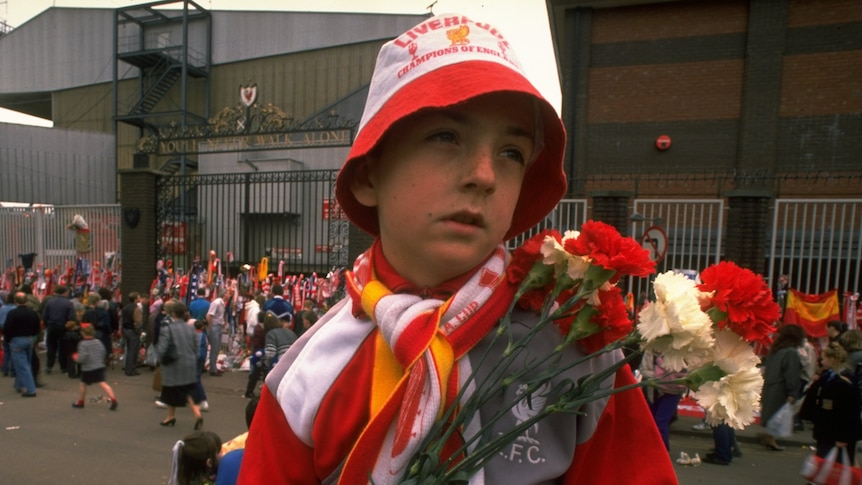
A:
{"points": [[545, 181]]}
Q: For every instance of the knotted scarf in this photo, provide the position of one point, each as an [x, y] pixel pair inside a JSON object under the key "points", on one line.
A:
{"points": [[415, 374]]}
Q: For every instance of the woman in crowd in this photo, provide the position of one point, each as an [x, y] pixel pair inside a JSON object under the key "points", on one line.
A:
{"points": [[179, 368], [781, 377]]}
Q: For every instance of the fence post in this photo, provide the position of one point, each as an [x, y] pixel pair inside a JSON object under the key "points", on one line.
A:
{"points": [[138, 212]]}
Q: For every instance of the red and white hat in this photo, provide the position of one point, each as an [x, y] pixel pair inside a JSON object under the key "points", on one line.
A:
{"points": [[445, 60]]}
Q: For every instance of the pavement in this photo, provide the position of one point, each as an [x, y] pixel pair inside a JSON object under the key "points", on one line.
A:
{"points": [[46, 441], [683, 427]]}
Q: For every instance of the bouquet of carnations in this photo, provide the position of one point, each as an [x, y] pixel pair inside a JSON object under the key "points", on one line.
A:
{"points": [[571, 281]]}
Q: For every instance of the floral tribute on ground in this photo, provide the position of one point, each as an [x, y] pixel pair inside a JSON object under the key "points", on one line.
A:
{"points": [[571, 281]]}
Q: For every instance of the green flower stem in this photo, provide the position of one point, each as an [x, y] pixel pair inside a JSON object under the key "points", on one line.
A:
{"points": [[536, 372]]}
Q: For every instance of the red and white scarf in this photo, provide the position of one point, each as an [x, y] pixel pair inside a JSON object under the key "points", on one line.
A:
{"points": [[425, 338]]}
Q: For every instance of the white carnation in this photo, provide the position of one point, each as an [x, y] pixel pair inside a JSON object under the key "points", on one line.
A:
{"points": [[734, 399], [674, 325], [732, 353]]}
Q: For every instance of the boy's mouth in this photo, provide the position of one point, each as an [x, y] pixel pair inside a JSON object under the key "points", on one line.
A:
{"points": [[469, 218]]}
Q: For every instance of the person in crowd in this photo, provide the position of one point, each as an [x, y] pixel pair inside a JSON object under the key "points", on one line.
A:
{"points": [[91, 357], [453, 156], [726, 446], [258, 347], [230, 309], [664, 398], [21, 328], [233, 450], [308, 320], [8, 305], [77, 300], [832, 404], [97, 316], [106, 301], [132, 320], [56, 312], [782, 377], [195, 459], [199, 305], [179, 381], [215, 317], [279, 338], [808, 358], [307, 309], [851, 340], [32, 300], [834, 330], [252, 308], [278, 305], [69, 347], [200, 326]]}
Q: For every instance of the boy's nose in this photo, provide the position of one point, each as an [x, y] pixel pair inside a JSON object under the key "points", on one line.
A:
{"points": [[479, 170]]}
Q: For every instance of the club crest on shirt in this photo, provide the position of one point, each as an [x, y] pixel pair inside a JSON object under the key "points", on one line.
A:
{"points": [[527, 448]]}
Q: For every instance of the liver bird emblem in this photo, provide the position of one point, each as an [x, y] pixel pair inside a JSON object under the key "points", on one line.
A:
{"points": [[459, 36], [528, 407]]}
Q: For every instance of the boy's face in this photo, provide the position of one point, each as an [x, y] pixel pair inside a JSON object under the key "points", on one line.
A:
{"points": [[446, 182]]}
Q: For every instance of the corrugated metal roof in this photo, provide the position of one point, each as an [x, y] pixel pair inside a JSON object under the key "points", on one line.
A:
{"points": [[70, 47]]}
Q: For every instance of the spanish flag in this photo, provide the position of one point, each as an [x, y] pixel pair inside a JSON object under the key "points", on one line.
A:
{"points": [[812, 312]]}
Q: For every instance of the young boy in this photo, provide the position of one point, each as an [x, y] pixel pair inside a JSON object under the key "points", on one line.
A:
{"points": [[456, 153], [91, 357]]}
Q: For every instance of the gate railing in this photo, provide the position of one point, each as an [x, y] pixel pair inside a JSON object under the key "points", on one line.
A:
{"points": [[569, 215], [817, 243], [693, 227], [36, 237], [289, 217]]}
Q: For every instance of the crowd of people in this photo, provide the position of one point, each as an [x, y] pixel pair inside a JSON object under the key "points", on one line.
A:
{"points": [[81, 335], [821, 381]]}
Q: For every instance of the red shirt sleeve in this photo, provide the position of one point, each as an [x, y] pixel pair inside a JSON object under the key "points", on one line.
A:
{"points": [[273, 453]]}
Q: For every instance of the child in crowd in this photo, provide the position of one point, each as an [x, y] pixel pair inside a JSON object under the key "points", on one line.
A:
{"points": [[91, 357], [456, 153], [832, 404], [279, 338], [195, 459]]}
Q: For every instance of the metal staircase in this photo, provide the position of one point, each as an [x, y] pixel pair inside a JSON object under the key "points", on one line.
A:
{"points": [[170, 47]]}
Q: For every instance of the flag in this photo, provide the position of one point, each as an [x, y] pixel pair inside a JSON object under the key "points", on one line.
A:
{"points": [[850, 311], [812, 312]]}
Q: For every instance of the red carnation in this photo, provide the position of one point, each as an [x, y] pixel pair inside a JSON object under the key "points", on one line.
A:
{"points": [[743, 300], [612, 318], [526, 255], [608, 249]]}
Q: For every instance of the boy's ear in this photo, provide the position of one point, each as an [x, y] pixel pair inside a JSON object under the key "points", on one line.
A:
{"points": [[361, 184]]}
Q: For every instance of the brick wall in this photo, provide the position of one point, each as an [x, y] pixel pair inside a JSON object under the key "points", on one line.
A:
{"points": [[138, 192]]}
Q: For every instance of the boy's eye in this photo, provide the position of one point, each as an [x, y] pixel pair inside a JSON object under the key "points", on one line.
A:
{"points": [[444, 136], [515, 154]]}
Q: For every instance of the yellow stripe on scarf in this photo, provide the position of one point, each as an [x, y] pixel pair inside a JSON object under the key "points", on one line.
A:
{"points": [[372, 292], [386, 374]]}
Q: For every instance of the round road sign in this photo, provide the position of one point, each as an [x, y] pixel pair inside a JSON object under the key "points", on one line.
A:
{"points": [[654, 240]]}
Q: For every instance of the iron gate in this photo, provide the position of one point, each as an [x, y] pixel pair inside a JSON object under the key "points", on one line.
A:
{"points": [[289, 217]]}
